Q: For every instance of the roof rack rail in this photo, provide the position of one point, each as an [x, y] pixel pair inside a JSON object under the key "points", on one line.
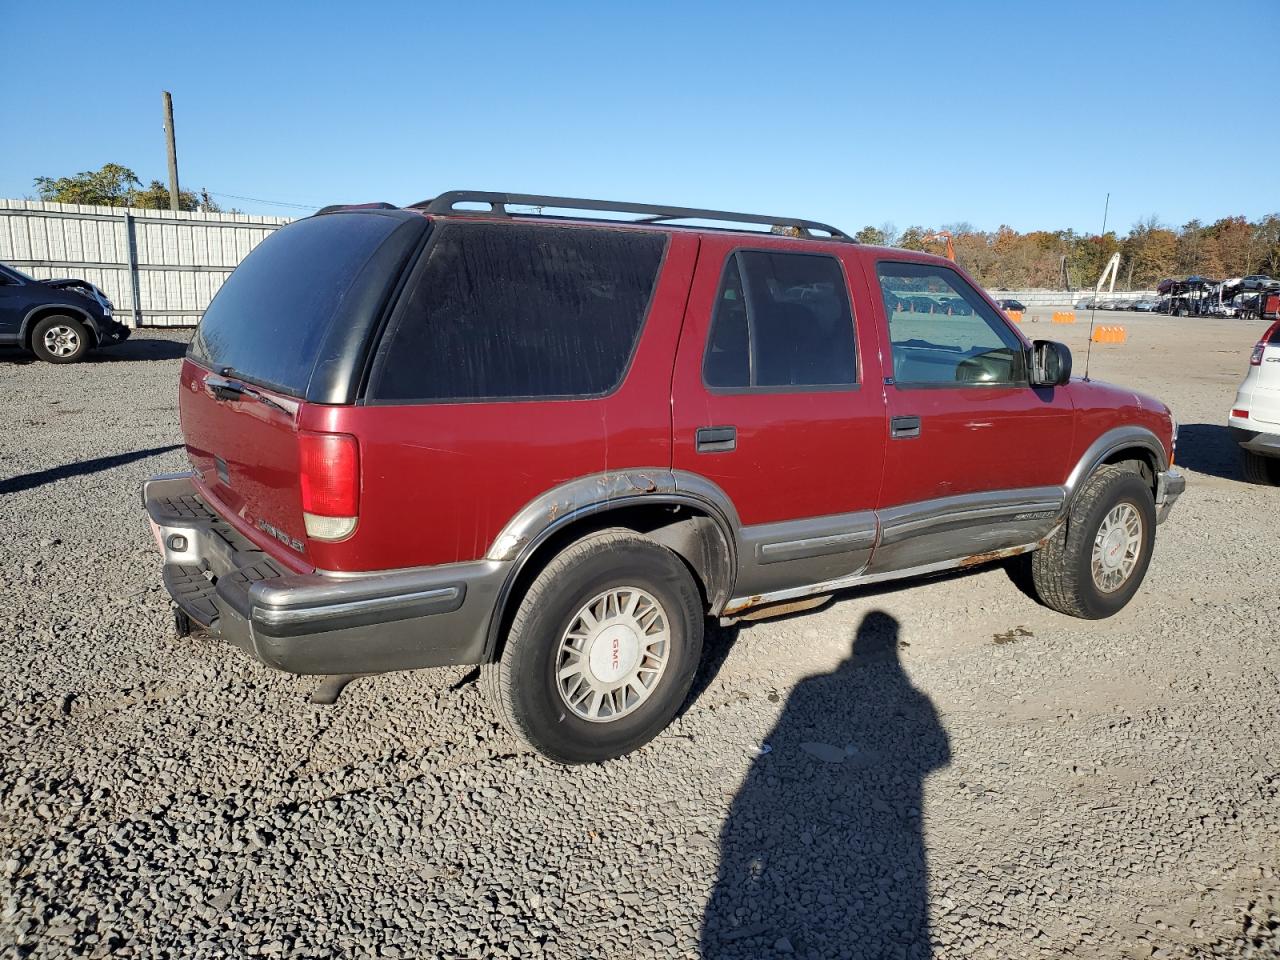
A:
{"points": [[335, 207], [447, 203]]}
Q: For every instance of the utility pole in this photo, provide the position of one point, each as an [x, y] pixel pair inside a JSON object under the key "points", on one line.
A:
{"points": [[173, 151]]}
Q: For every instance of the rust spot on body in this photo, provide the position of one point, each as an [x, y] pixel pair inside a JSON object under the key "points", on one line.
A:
{"points": [[990, 555], [642, 483], [784, 607], [746, 604]]}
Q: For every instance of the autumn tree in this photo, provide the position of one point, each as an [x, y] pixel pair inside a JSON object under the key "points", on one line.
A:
{"points": [[1152, 249], [118, 186], [109, 187], [1232, 240], [1266, 245], [912, 238]]}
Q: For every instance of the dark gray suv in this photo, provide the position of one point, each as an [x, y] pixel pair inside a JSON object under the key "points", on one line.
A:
{"points": [[58, 320]]}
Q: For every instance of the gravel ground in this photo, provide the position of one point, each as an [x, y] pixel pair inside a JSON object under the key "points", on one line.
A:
{"points": [[944, 756]]}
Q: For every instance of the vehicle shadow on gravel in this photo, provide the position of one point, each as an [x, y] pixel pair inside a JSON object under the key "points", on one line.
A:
{"points": [[27, 481], [823, 850], [149, 348], [1208, 448], [131, 351]]}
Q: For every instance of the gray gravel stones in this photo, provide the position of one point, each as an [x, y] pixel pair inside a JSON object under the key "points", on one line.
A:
{"points": [[964, 774]]}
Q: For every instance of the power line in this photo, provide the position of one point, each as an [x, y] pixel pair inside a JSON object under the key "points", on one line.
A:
{"points": [[274, 203]]}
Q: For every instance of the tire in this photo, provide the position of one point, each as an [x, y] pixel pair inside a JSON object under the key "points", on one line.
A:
{"points": [[1258, 469], [1063, 569], [525, 684], [59, 339]]}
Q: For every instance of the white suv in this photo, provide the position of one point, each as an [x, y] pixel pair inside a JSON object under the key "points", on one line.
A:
{"points": [[1255, 416]]}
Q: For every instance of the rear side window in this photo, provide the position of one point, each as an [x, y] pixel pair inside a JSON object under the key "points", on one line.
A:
{"points": [[509, 311], [268, 320], [781, 320]]}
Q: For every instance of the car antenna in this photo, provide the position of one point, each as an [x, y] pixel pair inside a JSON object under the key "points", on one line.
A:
{"points": [[1093, 308]]}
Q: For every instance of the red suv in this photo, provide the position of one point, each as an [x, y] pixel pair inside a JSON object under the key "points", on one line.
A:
{"points": [[473, 432]]}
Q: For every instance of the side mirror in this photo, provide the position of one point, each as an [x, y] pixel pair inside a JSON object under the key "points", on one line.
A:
{"points": [[1050, 363]]}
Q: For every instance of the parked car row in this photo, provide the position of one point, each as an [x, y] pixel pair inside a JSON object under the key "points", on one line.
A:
{"points": [[1197, 297], [948, 306], [1243, 297], [1113, 303]]}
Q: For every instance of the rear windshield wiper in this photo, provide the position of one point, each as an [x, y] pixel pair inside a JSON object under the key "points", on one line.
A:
{"points": [[226, 389]]}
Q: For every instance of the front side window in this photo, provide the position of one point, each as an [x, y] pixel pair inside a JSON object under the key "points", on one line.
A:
{"points": [[781, 320], [511, 311], [943, 332]]}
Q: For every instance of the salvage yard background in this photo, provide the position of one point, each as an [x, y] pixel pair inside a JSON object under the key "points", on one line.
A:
{"points": [[159, 267]]}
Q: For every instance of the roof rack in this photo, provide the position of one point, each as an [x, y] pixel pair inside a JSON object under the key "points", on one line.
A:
{"points": [[335, 207], [447, 203]]}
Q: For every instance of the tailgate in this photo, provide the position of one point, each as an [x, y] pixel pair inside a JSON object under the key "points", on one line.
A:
{"points": [[290, 323], [244, 450]]}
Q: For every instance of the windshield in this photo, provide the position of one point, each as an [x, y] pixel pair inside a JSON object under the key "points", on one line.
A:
{"points": [[18, 273]]}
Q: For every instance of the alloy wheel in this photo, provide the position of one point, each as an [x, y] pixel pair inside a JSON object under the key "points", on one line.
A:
{"points": [[61, 340]]}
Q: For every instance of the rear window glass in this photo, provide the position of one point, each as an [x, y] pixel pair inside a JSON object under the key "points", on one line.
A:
{"points": [[508, 311], [269, 318]]}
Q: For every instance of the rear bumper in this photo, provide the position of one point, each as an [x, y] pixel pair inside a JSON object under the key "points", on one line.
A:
{"points": [[1266, 444], [316, 623], [1170, 485]]}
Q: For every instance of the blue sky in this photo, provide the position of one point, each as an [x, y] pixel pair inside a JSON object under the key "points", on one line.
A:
{"points": [[855, 113]]}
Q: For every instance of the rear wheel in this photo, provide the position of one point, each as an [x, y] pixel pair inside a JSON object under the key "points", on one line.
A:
{"points": [[1259, 469], [1094, 564], [602, 650], [59, 340]]}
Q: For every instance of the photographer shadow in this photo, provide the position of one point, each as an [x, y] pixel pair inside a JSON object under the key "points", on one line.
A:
{"points": [[823, 852]]}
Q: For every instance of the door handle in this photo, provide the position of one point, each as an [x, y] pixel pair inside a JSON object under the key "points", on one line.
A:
{"points": [[717, 439], [904, 428]]}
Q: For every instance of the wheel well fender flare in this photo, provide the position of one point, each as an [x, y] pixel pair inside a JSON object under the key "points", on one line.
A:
{"points": [[1111, 447], [705, 537], [36, 314]]}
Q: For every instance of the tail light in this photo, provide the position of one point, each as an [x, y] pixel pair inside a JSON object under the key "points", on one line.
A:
{"points": [[1240, 414], [329, 464], [1255, 358]]}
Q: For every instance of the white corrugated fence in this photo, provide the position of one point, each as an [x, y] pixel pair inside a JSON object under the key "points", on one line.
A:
{"points": [[159, 267]]}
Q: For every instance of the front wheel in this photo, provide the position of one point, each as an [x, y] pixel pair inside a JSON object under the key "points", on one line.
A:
{"points": [[1095, 562], [59, 340], [602, 650]]}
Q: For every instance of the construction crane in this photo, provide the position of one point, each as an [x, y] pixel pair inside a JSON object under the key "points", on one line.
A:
{"points": [[943, 235]]}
